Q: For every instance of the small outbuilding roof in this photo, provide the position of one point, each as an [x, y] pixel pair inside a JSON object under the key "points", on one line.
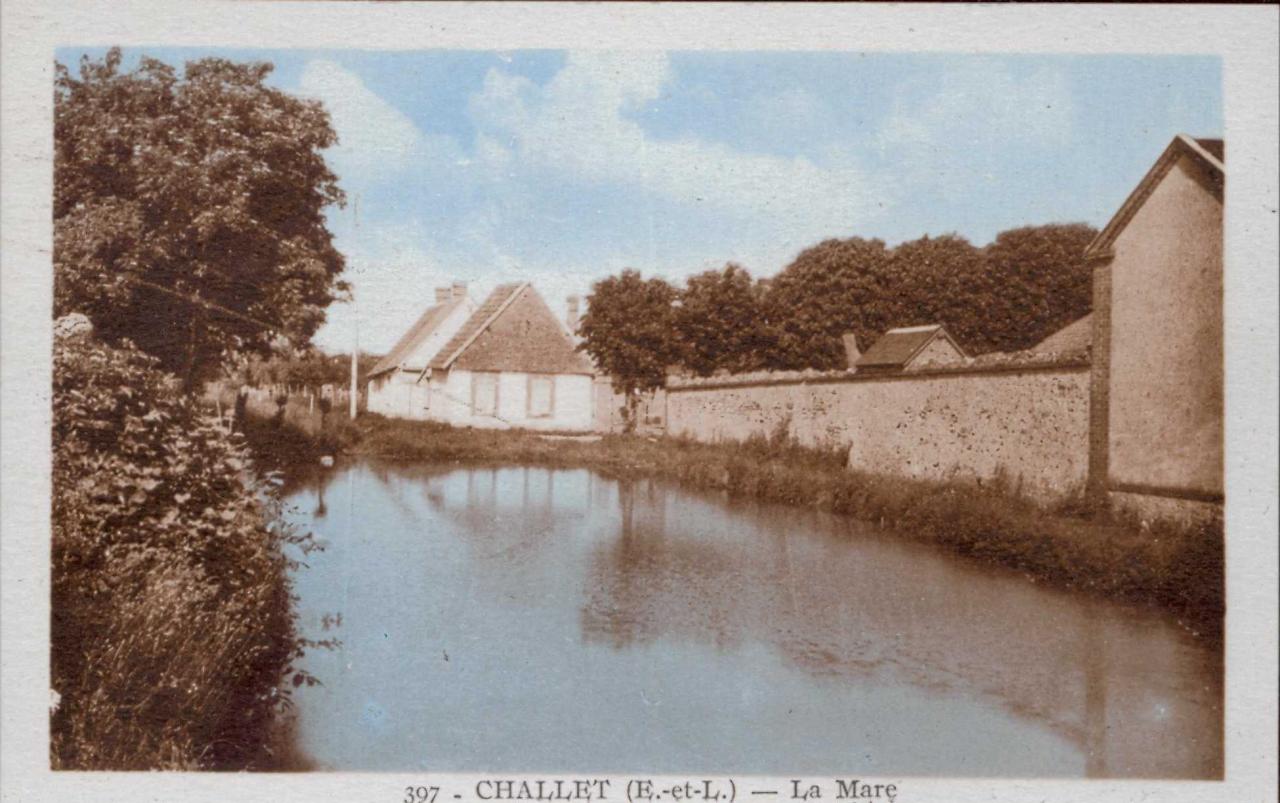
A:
{"points": [[900, 346], [422, 329], [1075, 336]]}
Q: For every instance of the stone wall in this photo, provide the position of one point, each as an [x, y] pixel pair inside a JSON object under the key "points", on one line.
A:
{"points": [[651, 412], [1027, 423]]}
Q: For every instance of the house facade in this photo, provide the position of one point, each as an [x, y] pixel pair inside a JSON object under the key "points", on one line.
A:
{"points": [[513, 363], [1157, 385], [394, 388]]}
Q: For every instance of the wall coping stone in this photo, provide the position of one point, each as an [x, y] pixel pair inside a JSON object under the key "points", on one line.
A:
{"points": [[1008, 364]]}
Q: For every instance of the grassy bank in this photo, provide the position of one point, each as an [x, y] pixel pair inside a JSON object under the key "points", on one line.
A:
{"points": [[172, 634], [1072, 546]]}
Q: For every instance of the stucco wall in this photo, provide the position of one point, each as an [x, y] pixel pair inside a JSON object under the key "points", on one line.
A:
{"points": [[1166, 366], [451, 402], [651, 412], [1030, 425], [398, 395]]}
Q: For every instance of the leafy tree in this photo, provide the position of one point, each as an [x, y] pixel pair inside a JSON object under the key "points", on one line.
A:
{"points": [[720, 322], [934, 280], [189, 210], [629, 331], [1007, 296], [305, 368], [834, 287], [1035, 282]]}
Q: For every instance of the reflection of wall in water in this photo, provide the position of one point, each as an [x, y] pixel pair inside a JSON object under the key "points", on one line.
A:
{"points": [[872, 610]]}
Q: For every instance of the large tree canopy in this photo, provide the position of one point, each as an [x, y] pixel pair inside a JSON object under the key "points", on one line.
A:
{"points": [[1005, 296], [1034, 283], [834, 287], [720, 322], [189, 210], [933, 280], [629, 331]]}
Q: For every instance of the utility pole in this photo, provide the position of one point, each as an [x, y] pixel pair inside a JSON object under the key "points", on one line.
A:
{"points": [[355, 315], [355, 355]]}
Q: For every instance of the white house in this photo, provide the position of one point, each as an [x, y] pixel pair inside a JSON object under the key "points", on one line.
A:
{"points": [[512, 364], [394, 389]]}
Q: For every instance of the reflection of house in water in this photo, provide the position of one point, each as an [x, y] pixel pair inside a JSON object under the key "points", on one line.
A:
{"points": [[876, 612]]}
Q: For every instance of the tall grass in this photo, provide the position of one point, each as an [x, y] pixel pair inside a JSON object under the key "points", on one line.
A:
{"points": [[173, 636]]}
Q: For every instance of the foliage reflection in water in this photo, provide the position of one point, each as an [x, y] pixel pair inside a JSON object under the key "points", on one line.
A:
{"points": [[525, 619]]}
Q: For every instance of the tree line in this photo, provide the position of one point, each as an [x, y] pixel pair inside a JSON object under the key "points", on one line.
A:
{"points": [[304, 368], [1005, 296]]}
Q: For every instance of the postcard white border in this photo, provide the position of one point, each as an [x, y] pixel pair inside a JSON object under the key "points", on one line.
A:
{"points": [[1245, 37]]}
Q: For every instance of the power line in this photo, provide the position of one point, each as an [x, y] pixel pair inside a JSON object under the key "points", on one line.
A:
{"points": [[270, 327]]}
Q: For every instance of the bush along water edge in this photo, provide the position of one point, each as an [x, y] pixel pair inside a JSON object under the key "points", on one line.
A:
{"points": [[173, 640]]}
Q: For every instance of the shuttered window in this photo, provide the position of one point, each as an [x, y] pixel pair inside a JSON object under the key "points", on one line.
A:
{"points": [[484, 394], [541, 396]]}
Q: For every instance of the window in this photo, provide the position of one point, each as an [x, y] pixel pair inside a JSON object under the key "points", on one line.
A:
{"points": [[542, 396], [484, 394]]}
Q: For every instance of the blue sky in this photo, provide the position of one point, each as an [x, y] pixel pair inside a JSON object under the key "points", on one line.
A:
{"points": [[561, 168]]}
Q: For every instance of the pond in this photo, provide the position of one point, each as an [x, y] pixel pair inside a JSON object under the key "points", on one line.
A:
{"points": [[526, 619]]}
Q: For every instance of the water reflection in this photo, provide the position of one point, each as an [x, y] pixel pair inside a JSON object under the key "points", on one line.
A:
{"points": [[526, 619]]}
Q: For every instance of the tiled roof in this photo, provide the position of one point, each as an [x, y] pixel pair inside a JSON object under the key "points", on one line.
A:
{"points": [[427, 323], [513, 330], [1075, 336], [497, 300], [898, 346]]}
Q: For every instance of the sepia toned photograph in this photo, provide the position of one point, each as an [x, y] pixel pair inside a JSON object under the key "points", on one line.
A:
{"points": [[843, 416]]}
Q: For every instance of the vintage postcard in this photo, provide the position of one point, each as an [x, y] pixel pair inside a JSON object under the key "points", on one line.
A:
{"points": [[605, 403]]}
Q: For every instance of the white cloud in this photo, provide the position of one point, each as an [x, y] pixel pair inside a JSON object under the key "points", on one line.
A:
{"points": [[577, 124], [375, 139], [945, 137], [394, 271], [984, 97]]}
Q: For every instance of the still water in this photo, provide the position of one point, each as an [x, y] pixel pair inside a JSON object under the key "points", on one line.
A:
{"points": [[525, 619]]}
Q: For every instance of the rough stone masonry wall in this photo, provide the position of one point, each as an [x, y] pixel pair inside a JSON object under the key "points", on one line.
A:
{"points": [[1029, 424]]}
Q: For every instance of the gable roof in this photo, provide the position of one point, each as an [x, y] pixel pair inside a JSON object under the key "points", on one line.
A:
{"points": [[485, 314], [513, 330], [899, 346], [422, 328], [1207, 152], [1075, 336]]}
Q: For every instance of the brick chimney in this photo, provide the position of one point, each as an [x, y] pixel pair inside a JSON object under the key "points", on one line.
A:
{"points": [[442, 295], [572, 317], [851, 353], [459, 289]]}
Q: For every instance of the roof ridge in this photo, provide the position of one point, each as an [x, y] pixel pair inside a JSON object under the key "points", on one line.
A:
{"points": [[394, 357], [513, 292], [1100, 246]]}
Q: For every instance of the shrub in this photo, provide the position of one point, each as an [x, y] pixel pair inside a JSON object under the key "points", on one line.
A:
{"points": [[172, 611]]}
